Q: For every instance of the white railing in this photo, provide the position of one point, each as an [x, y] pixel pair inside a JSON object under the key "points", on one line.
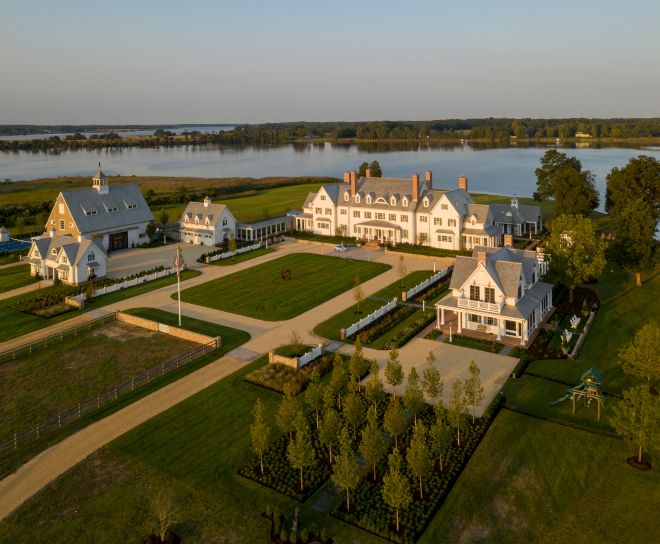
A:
{"points": [[412, 292], [310, 356], [480, 305], [237, 252], [370, 318], [126, 284]]}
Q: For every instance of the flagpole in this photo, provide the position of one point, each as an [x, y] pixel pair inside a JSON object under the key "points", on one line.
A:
{"points": [[178, 282]]}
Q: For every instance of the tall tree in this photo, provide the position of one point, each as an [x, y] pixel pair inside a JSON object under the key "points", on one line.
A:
{"points": [[362, 170], [401, 270], [300, 451], [345, 473], [314, 393], [637, 418], [413, 397], [329, 429], [358, 293], [457, 408], [395, 419], [164, 217], [287, 412], [640, 178], [232, 246], [376, 171], [354, 412], [357, 364], [259, 432], [440, 435], [374, 389], [339, 377], [329, 397], [474, 391], [396, 488], [576, 253], [394, 371], [418, 455], [642, 356], [373, 445], [634, 247], [432, 382]]}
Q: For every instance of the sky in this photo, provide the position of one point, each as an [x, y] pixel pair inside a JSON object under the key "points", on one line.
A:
{"points": [[154, 62]]}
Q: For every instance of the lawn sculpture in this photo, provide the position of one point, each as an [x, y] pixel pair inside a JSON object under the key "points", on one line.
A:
{"points": [[286, 274], [589, 389]]}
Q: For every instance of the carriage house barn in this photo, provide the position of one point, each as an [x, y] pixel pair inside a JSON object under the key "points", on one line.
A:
{"points": [[497, 292], [405, 210], [117, 215], [207, 224]]}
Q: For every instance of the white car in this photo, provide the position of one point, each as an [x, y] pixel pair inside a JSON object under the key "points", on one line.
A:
{"points": [[340, 247]]}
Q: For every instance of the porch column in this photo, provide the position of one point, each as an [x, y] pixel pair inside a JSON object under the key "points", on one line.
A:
{"points": [[442, 322], [499, 328], [438, 317], [460, 320]]}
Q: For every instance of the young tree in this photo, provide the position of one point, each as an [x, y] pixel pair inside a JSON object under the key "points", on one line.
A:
{"points": [[474, 391], [418, 455], [358, 293], [329, 397], [642, 356], [413, 397], [576, 254], [634, 247], [314, 393], [637, 418], [165, 511], [396, 488], [374, 389], [149, 230], [354, 412], [394, 371], [164, 217], [376, 171], [339, 377], [401, 270], [330, 429], [259, 432], [300, 451], [395, 419], [296, 341], [232, 246], [457, 407], [356, 365], [287, 412], [440, 436], [432, 382], [345, 473], [373, 445]]}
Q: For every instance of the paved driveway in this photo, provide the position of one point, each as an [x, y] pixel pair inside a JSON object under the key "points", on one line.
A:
{"points": [[130, 261]]}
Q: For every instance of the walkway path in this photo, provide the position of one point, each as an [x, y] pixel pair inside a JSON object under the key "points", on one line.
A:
{"points": [[40, 471], [24, 289], [17, 263]]}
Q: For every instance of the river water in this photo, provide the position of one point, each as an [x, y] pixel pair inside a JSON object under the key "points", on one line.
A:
{"points": [[177, 130], [490, 168]]}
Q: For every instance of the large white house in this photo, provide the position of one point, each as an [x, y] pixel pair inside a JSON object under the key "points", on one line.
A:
{"points": [[497, 291], [404, 210], [117, 215], [207, 224], [73, 260]]}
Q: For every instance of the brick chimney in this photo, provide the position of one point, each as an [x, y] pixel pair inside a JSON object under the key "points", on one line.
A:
{"points": [[415, 187], [482, 257], [368, 172], [462, 183], [353, 183], [429, 180], [347, 177], [508, 240]]}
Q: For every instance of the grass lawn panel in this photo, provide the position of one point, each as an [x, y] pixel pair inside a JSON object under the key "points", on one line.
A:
{"points": [[536, 482], [261, 292], [466, 342], [534, 395], [14, 323], [566, 324], [555, 341], [331, 328], [243, 257], [15, 277]]}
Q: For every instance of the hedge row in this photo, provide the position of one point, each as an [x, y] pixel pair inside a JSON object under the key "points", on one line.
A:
{"points": [[383, 324], [425, 250], [410, 332], [522, 364], [495, 406]]}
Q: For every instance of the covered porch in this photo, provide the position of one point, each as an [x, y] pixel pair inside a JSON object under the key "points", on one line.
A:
{"points": [[490, 237], [380, 230], [258, 231]]}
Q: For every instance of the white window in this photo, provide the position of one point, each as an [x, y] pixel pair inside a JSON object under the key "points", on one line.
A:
{"points": [[61, 224], [322, 197], [63, 275], [323, 225], [443, 238], [393, 201], [392, 217], [63, 259], [54, 251], [90, 257], [357, 198], [490, 321], [343, 227], [224, 222], [437, 221], [113, 210], [356, 213], [367, 215], [423, 219], [185, 219], [328, 211], [61, 208], [405, 201], [52, 221], [343, 211], [132, 206], [380, 215], [197, 220], [451, 222], [404, 233], [346, 197], [319, 211], [404, 218], [444, 206], [426, 203], [368, 200]]}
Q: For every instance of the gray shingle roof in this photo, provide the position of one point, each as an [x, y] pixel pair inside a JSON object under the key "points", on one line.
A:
{"points": [[526, 258], [488, 231], [521, 214], [310, 197], [197, 209], [74, 249], [77, 200], [480, 211]]}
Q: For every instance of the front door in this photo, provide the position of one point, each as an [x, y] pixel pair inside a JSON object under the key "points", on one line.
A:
{"points": [[118, 241]]}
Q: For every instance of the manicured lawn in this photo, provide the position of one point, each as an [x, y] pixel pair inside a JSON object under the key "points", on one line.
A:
{"points": [[555, 341], [474, 344], [63, 374], [566, 324], [331, 328], [14, 323], [533, 481], [262, 293], [243, 257], [15, 277]]}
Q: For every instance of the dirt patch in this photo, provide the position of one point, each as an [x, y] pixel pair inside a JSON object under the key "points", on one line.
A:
{"points": [[122, 332], [644, 465], [474, 532]]}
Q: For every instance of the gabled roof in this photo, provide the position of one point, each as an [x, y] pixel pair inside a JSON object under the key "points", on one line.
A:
{"points": [[380, 187], [78, 200], [528, 259], [74, 250], [593, 372], [310, 197], [480, 211], [70, 250], [3, 229], [518, 215], [100, 175], [333, 191], [197, 210], [505, 274]]}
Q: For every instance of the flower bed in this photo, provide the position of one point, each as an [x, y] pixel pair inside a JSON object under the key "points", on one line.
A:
{"points": [[410, 332], [425, 250], [475, 343], [383, 324], [276, 376]]}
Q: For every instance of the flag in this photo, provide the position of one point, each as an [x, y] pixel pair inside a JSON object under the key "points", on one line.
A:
{"points": [[176, 265]]}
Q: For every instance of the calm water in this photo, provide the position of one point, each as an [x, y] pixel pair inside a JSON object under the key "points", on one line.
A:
{"points": [[120, 132], [490, 169]]}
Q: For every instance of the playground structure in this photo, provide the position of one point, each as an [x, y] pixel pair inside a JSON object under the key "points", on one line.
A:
{"points": [[589, 389]]}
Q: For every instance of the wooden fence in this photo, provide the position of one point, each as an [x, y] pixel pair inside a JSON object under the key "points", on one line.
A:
{"points": [[56, 421], [437, 277], [237, 252], [350, 331], [126, 284]]}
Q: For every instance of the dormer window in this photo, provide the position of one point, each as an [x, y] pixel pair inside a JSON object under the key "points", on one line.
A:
{"points": [[185, 219], [113, 210], [368, 200], [520, 291], [54, 251], [426, 202], [405, 201], [197, 220], [393, 201], [357, 199], [346, 197]]}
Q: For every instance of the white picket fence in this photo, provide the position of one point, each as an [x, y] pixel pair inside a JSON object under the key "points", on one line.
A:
{"points": [[310, 356], [412, 292], [237, 252], [126, 284], [370, 319]]}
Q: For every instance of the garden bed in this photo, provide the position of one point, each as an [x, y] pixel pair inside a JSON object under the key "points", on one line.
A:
{"points": [[301, 235], [435, 333], [566, 323], [425, 250], [541, 348], [411, 330], [475, 343], [383, 324]]}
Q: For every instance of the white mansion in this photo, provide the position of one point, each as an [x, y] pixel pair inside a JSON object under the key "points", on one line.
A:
{"points": [[497, 291], [410, 210]]}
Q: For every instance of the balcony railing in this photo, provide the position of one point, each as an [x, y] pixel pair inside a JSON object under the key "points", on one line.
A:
{"points": [[480, 305]]}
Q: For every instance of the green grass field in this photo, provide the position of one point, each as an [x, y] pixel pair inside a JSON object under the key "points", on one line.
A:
{"points": [[15, 277], [14, 323], [532, 481], [262, 293], [248, 255]]}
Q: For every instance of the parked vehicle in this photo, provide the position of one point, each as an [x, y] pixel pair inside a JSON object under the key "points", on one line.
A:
{"points": [[340, 247]]}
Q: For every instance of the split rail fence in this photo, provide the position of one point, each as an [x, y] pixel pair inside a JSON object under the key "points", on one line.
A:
{"points": [[109, 395]]}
